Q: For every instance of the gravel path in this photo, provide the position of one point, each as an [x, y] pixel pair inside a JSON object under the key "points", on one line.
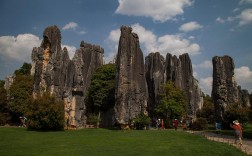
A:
{"points": [[245, 147]]}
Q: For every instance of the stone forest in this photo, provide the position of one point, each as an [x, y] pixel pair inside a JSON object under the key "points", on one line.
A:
{"points": [[137, 84]]}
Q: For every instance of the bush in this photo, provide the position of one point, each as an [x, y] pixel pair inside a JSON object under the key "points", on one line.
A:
{"points": [[141, 121], [46, 113], [93, 119], [4, 118], [200, 124]]}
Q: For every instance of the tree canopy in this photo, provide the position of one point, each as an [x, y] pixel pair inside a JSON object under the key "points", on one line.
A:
{"points": [[102, 89], [173, 102], [20, 92]]}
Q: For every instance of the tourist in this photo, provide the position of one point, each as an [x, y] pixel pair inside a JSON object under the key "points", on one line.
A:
{"points": [[238, 131], [175, 124]]}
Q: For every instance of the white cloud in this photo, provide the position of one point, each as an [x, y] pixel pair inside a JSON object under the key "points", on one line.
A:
{"points": [[236, 9], [245, 17], [245, 2], [158, 10], [75, 27], [150, 42], [206, 65], [220, 20], [190, 26], [206, 85], [191, 37], [70, 25], [18, 48], [243, 74]]}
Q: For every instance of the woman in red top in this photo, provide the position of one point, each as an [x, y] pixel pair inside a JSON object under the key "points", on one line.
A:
{"points": [[238, 131]]}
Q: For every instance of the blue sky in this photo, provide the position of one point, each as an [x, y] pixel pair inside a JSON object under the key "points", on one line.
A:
{"points": [[203, 29]]}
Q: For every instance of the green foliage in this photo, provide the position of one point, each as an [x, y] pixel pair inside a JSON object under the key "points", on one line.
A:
{"points": [[207, 110], [24, 70], [46, 113], [173, 102], [4, 115], [236, 112], [102, 89], [141, 121], [2, 82], [200, 124], [93, 119], [20, 96]]}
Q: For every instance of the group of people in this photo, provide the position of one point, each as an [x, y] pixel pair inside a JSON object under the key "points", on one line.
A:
{"points": [[235, 125], [160, 124]]}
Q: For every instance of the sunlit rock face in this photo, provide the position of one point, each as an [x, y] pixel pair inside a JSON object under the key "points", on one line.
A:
{"points": [[67, 79], [131, 89]]}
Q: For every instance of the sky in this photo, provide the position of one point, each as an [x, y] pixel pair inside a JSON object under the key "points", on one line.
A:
{"points": [[203, 29]]}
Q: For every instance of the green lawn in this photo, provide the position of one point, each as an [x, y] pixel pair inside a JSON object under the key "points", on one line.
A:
{"points": [[19, 141]]}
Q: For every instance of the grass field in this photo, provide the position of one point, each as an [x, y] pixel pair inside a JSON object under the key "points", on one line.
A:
{"points": [[89, 142]]}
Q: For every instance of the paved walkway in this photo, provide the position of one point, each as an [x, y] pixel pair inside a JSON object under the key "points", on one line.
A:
{"points": [[245, 147]]}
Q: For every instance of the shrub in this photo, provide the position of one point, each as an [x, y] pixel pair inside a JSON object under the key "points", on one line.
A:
{"points": [[46, 113], [200, 124], [141, 121], [93, 119]]}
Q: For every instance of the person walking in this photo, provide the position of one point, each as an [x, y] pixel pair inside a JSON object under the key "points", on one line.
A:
{"points": [[238, 131], [175, 124]]}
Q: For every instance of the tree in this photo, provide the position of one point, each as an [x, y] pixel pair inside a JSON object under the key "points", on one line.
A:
{"points": [[20, 93], [173, 102], [24, 70], [102, 89], [207, 110], [3, 104], [46, 113]]}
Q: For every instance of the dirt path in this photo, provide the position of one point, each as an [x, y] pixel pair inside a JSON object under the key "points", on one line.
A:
{"points": [[246, 147]]}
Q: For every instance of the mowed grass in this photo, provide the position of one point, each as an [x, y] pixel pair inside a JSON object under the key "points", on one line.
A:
{"points": [[19, 141]]}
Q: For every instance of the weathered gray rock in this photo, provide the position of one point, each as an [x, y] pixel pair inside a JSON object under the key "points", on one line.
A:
{"points": [[224, 89], [180, 72], [67, 79], [244, 97], [131, 89], [154, 65]]}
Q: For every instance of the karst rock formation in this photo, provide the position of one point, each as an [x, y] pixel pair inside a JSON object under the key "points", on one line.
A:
{"points": [[155, 69], [67, 79], [225, 90], [131, 89], [138, 83], [178, 70]]}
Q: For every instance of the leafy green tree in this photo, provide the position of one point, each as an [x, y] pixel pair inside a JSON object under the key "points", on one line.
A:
{"points": [[24, 70], [20, 96], [2, 82], [235, 111], [46, 113], [20, 93], [173, 102], [207, 110], [3, 104], [102, 89]]}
